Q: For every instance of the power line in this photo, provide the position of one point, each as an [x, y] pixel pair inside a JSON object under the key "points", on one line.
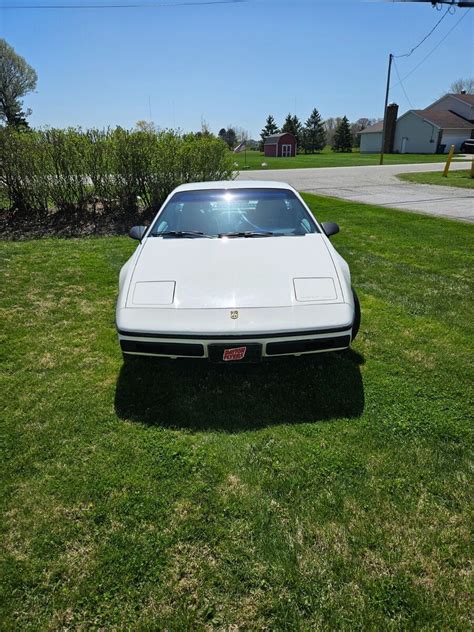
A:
{"points": [[433, 49], [125, 5], [448, 10], [400, 82], [438, 3]]}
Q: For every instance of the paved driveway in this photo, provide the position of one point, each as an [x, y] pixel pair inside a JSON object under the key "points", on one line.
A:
{"points": [[379, 185]]}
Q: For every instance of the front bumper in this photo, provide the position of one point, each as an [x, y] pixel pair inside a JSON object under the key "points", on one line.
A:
{"points": [[271, 345], [277, 331]]}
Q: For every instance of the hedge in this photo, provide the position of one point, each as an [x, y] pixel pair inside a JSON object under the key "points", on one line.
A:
{"points": [[118, 173]]}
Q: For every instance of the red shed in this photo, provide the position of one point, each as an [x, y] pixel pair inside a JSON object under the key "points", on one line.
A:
{"points": [[280, 145]]}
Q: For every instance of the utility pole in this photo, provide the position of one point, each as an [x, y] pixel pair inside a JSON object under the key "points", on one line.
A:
{"points": [[464, 4], [390, 59]]}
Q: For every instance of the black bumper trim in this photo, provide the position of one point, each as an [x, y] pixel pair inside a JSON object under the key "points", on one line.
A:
{"points": [[240, 336], [163, 348], [302, 346]]}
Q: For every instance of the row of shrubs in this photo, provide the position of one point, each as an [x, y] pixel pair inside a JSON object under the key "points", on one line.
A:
{"points": [[119, 173]]}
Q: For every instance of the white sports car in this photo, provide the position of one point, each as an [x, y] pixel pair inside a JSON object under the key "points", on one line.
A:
{"points": [[235, 272]]}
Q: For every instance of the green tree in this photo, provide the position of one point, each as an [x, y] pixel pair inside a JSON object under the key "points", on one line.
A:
{"points": [[292, 125], [228, 136], [17, 78], [314, 134], [343, 136], [298, 127], [270, 128]]}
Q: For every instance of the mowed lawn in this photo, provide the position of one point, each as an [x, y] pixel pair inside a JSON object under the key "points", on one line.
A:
{"points": [[328, 158], [459, 178], [324, 493]]}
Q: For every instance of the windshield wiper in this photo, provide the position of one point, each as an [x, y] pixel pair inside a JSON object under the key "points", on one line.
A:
{"points": [[248, 233], [182, 233]]}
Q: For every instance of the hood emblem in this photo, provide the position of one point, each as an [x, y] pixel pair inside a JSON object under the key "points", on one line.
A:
{"points": [[234, 314]]}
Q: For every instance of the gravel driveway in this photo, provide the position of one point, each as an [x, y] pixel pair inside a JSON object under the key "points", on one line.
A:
{"points": [[379, 185]]}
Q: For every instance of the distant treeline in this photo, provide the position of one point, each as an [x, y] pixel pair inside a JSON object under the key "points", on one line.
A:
{"points": [[315, 133], [120, 173]]}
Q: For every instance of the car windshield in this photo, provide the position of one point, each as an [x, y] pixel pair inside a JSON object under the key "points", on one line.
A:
{"points": [[236, 213]]}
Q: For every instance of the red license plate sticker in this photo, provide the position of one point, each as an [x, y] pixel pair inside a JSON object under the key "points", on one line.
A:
{"points": [[238, 353]]}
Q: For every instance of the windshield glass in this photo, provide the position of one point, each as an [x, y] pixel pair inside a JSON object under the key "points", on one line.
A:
{"points": [[234, 213]]}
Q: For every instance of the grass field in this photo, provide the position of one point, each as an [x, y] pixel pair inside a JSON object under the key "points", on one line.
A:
{"points": [[328, 158], [461, 178], [314, 494]]}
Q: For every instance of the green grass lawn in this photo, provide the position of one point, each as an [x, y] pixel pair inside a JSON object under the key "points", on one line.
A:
{"points": [[461, 178], [328, 158], [324, 493]]}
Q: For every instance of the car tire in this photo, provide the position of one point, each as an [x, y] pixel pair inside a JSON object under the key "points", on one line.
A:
{"points": [[356, 323]]}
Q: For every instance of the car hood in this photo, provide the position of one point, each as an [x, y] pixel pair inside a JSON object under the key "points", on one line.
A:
{"points": [[228, 273]]}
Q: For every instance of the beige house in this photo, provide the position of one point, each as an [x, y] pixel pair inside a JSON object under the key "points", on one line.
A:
{"points": [[448, 121]]}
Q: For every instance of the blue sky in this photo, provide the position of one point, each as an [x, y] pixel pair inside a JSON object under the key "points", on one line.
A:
{"points": [[230, 63]]}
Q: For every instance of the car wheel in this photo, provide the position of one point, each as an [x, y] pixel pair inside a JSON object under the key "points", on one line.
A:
{"points": [[356, 324]]}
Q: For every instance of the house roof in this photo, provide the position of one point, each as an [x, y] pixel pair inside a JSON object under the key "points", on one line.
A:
{"points": [[372, 129], [444, 119], [467, 98], [464, 98], [271, 140]]}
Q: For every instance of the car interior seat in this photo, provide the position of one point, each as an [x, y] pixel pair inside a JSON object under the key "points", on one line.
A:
{"points": [[270, 214], [197, 216]]}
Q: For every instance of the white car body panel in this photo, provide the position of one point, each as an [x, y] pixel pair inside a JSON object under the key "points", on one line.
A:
{"points": [[229, 273], [262, 289]]}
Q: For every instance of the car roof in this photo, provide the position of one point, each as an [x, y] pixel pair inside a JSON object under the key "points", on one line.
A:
{"points": [[234, 184]]}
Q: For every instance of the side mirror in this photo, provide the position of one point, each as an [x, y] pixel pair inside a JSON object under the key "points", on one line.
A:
{"points": [[137, 232], [330, 228]]}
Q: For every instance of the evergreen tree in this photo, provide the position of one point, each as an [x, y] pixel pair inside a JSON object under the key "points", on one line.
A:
{"points": [[343, 136], [269, 129], [288, 124], [306, 141], [298, 127], [293, 126], [314, 134]]}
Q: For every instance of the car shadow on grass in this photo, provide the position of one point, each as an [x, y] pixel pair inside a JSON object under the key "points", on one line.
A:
{"points": [[197, 395]]}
